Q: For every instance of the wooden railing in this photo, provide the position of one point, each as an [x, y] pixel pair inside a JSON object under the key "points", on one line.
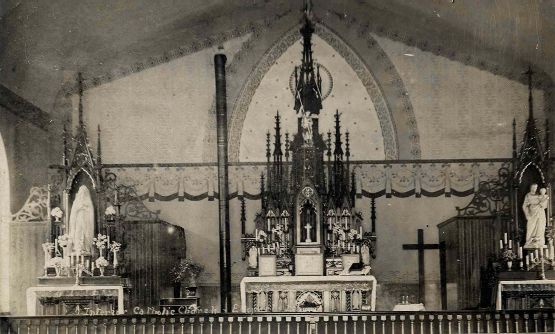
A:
{"points": [[367, 323]]}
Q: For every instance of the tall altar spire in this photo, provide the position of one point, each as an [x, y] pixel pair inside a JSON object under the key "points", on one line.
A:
{"points": [[307, 82]]}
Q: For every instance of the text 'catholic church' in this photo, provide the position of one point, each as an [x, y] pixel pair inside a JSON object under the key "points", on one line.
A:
{"points": [[241, 167]]}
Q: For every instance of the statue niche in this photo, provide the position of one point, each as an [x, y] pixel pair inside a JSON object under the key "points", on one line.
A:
{"points": [[308, 222], [81, 225]]}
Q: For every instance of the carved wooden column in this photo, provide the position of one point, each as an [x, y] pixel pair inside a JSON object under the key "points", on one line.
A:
{"points": [[221, 122]]}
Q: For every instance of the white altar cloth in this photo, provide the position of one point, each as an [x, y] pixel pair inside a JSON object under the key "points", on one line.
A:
{"points": [[304, 282], [33, 293], [527, 283]]}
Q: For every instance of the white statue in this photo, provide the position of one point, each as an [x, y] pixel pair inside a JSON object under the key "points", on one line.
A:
{"points": [[356, 300], [253, 257], [306, 123], [81, 221], [534, 209], [262, 301], [365, 253]]}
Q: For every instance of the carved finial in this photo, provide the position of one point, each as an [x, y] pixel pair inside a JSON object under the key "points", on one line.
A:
{"points": [[287, 146], [65, 153], [347, 151], [338, 150], [80, 89], [243, 216], [98, 149], [530, 99], [268, 152], [308, 8], [514, 139], [277, 139]]}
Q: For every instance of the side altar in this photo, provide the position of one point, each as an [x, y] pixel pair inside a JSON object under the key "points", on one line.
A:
{"points": [[96, 251], [310, 250]]}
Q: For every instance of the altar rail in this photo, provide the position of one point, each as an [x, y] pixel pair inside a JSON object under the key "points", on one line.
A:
{"points": [[371, 323]]}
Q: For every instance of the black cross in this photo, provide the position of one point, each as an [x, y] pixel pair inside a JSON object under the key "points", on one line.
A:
{"points": [[421, 247]]}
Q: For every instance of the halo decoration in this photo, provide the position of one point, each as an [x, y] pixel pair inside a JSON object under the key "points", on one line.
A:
{"points": [[327, 81]]}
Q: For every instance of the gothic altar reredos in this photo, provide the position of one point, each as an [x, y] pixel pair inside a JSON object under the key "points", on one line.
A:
{"points": [[309, 250]]}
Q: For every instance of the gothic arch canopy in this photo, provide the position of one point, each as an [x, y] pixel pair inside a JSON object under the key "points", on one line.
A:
{"points": [[393, 106]]}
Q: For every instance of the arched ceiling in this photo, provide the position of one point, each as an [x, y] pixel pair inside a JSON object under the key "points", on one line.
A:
{"points": [[44, 43]]}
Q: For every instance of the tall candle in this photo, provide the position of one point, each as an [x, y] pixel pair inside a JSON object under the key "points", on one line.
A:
{"points": [[55, 246], [536, 253], [505, 237], [500, 244], [511, 244], [360, 232], [520, 252], [527, 261], [551, 252]]}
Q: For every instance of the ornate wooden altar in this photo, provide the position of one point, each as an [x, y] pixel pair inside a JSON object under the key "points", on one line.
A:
{"points": [[308, 231]]}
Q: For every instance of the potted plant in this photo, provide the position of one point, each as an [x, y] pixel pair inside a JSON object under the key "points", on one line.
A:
{"points": [[185, 271]]}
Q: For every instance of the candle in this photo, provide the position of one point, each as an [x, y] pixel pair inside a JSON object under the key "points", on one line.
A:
{"points": [[55, 246], [511, 244], [360, 232], [527, 261], [500, 244], [520, 252], [551, 252], [505, 237], [82, 259], [536, 254]]}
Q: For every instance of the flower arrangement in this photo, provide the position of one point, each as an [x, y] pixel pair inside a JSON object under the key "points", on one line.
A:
{"points": [[48, 247], [64, 240], [56, 262], [185, 269], [101, 262], [115, 247], [508, 255], [101, 241], [110, 211], [57, 213]]}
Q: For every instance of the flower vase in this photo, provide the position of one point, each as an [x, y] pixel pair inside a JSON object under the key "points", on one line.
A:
{"points": [[509, 265], [101, 268]]}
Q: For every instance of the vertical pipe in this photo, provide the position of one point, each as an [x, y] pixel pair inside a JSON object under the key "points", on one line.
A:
{"points": [[221, 122]]}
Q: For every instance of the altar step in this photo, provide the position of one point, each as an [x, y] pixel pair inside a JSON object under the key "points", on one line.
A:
{"points": [[375, 323]]}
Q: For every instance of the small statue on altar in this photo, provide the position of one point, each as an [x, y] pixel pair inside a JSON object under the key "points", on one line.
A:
{"points": [[306, 123], [356, 300], [335, 305], [365, 254], [253, 257], [283, 302], [534, 210], [262, 301], [81, 221]]}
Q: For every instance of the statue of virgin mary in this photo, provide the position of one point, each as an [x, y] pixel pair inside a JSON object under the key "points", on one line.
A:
{"points": [[81, 221]]}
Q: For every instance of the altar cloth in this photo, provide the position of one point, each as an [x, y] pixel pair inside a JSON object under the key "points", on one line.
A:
{"points": [[36, 292], [296, 286], [524, 286]]}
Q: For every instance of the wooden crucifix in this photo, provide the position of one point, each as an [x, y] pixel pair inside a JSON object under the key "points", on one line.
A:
{"points": [[421, 247]]}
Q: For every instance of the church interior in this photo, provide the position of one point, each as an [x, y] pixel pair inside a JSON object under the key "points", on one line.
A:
{"points": [[262, 166]]}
